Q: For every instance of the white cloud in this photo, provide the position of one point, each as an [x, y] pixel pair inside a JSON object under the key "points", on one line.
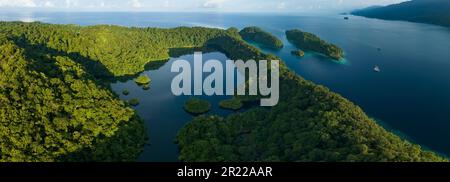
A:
{"points": [[17, 3], [166, 4], [282, 5], [71, 3], [213, 3], [194, 5], [136, 4], [49, 4]]}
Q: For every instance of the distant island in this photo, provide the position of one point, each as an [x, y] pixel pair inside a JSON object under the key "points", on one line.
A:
{"points": [[310, 42], [259, 36], [435, 12]]}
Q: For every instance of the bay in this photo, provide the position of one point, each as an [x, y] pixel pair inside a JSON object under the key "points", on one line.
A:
{"points": [[411, 94]]}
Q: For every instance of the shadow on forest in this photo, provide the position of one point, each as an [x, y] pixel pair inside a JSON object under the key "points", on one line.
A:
{"points": [[94, 67], [122, 145], [155, 65], [126, 143], [41, 53]]}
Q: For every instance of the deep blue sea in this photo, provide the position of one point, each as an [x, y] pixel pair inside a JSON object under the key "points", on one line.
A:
{"points": [[410, 96]]}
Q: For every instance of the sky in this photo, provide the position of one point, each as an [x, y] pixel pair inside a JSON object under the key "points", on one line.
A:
{"points": [[191, 5]]}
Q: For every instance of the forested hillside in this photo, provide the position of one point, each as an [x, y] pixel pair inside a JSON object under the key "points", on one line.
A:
{"points": [[56, 103], [423, 11], [51, 109], [116, 51], [309, 124], [259, 36]]}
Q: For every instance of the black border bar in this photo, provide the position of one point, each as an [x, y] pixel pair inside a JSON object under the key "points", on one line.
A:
{"points": [[278, 170]]}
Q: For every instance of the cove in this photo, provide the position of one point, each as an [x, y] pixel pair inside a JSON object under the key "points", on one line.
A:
{"points": [[162, 111]]}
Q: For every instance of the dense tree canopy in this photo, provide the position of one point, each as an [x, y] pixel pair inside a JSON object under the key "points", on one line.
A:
{"points": [[56, 103], [115, 51], [51, 109], [310, 123]]}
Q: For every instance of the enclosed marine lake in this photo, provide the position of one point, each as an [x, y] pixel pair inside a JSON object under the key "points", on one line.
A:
{"points": [[163, 111], [410, 95]]}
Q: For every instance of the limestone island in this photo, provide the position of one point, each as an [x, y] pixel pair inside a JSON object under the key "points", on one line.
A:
{"points": [[125, 92], [143, 81], [146, 87], [231, 104], [259, 36], [298, 53], [310, 42], [197, 106], [134, 102]]}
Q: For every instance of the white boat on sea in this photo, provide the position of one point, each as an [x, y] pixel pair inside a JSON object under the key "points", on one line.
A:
{"points": [[377, 69]]}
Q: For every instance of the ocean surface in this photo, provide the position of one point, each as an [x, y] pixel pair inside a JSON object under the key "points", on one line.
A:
{"points": [[410, 96]]}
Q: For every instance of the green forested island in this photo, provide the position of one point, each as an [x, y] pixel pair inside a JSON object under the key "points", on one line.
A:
{"points": [[125, 92], [231, 104], [298, 53], [422, 11], [197, 106], [134, 102], [142, 80], [259, 36], [310, 42], [56, 103]]}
